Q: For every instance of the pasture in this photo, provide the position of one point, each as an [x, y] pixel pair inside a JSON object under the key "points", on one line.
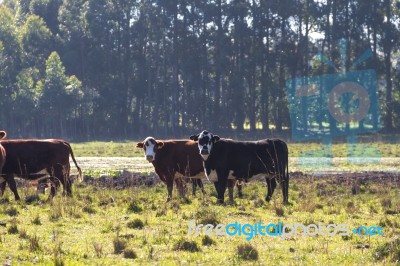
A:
{"points": [[104, 225]]}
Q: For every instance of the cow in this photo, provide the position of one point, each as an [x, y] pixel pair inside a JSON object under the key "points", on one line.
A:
{"points": [[32, 159], [225, 159], [174, 160], [3, 134]]}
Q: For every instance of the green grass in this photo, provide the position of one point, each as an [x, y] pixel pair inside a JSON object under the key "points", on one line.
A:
{"points": [[135, 226], [128, 149], [106, 149]]}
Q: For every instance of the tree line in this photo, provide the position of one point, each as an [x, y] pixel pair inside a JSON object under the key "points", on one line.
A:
{"points": [[95, 69]]}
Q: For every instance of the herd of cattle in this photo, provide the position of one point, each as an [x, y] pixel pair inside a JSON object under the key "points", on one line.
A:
{"points": [[224, 162]]}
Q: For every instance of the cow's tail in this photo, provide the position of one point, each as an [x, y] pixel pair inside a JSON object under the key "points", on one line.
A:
{"points": [[287, 173], [76, 164]]}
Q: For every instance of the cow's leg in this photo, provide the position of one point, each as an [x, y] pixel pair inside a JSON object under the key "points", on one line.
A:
{"points": [[180, 185], [194, 184], [222, 182], [201, 185], [285, 188], [271, 185], [168, 180], [61, 173], [239, 185], [54, 185], [170, 186], [216, 187], [11, 183], [197, 183], [231, 185], [3, 187]]}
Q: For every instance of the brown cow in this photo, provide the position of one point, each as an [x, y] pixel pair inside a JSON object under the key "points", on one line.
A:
{"points": [[2, 156], [174, 159], [29, 158]]}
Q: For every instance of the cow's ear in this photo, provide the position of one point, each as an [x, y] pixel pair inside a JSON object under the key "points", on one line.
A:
{"points": [[194, 137], [140, 145], [3, 134], [159, 144], [215, 138]]}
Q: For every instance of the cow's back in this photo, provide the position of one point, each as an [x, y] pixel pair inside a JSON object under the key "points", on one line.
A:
{"points": [[31, 156], [247, 158], [180, 155]]}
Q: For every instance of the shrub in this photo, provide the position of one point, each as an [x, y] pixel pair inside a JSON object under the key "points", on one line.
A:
{"points": [[136, 224], [207, 241], [130, 254], [135, 207], [12, 211], [208, 217], [98, 248], [119, 245], [186, 245], [34, 243], [13, 229], [36, 220], [247, 252], [390, 250]]}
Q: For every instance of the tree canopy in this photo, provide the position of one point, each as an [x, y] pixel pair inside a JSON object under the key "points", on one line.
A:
{"points": [[98, 69]]}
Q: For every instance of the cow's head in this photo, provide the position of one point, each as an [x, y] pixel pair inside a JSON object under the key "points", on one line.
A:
{"points": [[150, 146], [205, 141], [3, 134]]}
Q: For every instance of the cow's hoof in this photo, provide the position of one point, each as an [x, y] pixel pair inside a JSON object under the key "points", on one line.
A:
{"points": [[185, 200], [286, 202], [240, 195], [268, 198], [232, 202], [220, 201], [168, 200]]}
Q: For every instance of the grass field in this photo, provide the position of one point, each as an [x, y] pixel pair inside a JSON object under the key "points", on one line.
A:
{"points": [[105, 226], [128, 149], [135, 226]]}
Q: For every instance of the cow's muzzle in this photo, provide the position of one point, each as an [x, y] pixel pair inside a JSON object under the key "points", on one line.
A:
{"points": [[204, 152], [149, 158]]}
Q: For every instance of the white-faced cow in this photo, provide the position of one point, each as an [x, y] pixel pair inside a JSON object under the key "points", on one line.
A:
{"points": [[174, 160], [225, 159], [32, 159]]}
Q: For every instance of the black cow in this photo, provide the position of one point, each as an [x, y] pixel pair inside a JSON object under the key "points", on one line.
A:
{"points": [[225, 159]]}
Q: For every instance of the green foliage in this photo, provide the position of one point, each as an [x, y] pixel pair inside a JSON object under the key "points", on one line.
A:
{"points": [[389, 250], [69, 235], [36, 42], [135, 207], [36, 220], [128, 64]]}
